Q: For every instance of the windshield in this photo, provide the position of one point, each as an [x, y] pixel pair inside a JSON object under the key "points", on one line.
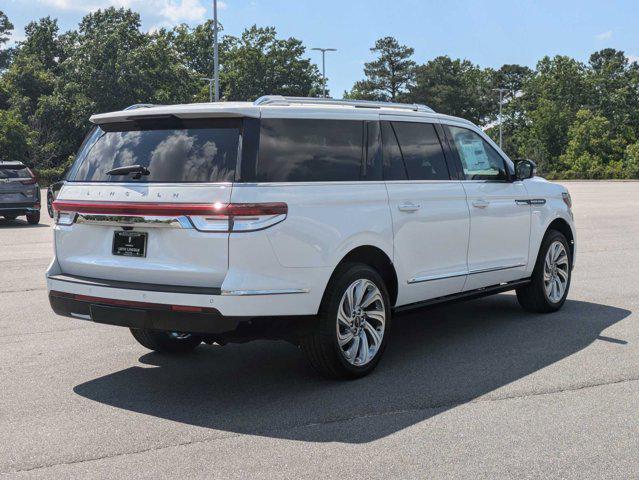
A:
{"points": [[170, 152]]}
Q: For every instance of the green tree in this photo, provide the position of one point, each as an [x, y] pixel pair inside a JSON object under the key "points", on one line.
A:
{"points": [[15, 137], [42, 43], [388, 76], [593, 150], [258, 63], [631, 161], [5, 31], [455, 87]]}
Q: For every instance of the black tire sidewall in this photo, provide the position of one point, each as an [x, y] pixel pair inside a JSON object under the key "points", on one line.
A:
{"points": [[330, 307]]}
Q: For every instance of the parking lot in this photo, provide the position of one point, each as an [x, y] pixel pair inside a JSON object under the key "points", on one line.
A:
{"points": [[473, 390]]}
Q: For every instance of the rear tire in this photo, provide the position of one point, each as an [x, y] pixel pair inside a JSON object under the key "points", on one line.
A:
{"points": [[33, 218], [50, 205], [166, 342], [10, 217], [539, 295], [349, 341]]}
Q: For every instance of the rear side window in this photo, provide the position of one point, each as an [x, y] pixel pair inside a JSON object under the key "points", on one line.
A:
{"points": [[173, 152], [479, 160], [298, 150], [422, 151]]}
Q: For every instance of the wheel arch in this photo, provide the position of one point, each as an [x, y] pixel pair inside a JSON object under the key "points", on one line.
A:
{"points": [[376, 258], [563, 227]]}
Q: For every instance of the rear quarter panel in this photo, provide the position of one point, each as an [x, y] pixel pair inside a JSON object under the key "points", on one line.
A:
{"points": [[325, 222]]}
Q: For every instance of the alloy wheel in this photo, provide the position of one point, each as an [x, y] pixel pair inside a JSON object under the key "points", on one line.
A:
{"points": [[361, 320], [556, 272]]}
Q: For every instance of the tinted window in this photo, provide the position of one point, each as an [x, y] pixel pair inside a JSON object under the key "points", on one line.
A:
{"points": [[373, 166], [393, 164], [479, 160], [14, 171], [422, 152], [294, 150], [201, 151]]}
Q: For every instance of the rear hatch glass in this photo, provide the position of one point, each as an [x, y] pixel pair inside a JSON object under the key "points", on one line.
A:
{"points": [[170, 150]]}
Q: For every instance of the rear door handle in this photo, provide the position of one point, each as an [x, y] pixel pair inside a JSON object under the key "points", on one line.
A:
{"points": [[480, 203], [408, 207]]}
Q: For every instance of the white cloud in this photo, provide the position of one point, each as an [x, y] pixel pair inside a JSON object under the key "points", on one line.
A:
{"points": [[633, 58], [604, 35], [186, 10], [173, 11]]}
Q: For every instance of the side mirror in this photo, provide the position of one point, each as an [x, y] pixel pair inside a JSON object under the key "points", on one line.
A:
{"points": [[525, 169]]}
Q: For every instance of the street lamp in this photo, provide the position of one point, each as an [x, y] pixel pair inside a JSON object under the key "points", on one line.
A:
{"points": [[216, 66], [324, 50], [501, 101], [211, 82]]}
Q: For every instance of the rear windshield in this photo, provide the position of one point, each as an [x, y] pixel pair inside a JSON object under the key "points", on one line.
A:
{"points": [[171, 151], [14, 172]]}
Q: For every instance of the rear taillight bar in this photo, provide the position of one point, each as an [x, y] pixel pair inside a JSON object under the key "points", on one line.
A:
{"points": [[216, 217]]}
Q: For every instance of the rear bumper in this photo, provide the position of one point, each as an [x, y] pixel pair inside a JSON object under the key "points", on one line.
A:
{"points": [[19, 208], [209, 323], [176, 308]]}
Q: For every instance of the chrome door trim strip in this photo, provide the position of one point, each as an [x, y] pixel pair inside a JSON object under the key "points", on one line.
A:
{"points": [[430, 278], [246, 293], [495, 269]]}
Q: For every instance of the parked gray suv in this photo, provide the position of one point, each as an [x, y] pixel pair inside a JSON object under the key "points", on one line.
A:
{"points": [[19, 192]]}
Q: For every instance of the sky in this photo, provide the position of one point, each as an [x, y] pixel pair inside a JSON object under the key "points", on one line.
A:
{"points": [[487, 32]]}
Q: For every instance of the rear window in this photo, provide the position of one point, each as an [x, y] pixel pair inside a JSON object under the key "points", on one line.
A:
{"points": [[294, 150], [18, 171], [173, 151]]}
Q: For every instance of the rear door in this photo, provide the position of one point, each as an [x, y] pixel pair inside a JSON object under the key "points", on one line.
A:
{"points": [[429, 211], [158, 224], [499, 211]]}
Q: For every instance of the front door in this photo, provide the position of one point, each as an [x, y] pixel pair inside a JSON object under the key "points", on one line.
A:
{"points": [[499, 212]]}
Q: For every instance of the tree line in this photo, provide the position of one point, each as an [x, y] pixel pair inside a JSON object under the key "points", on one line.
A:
{"points": [[575, 119]]}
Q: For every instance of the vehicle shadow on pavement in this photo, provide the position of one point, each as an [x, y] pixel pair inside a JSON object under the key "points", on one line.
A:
{"points": [[6, 224], [437, 359]]}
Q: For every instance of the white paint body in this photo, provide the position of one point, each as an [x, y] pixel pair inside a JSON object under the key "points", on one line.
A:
{"points": [[444, 247]]}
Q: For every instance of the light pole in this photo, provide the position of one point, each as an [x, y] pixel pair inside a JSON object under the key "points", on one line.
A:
{"points": [[216, 66], [324, 50], [211, 81], [501, 101]]}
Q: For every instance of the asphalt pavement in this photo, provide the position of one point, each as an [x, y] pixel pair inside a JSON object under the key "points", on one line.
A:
{"points": [[472, 390]]}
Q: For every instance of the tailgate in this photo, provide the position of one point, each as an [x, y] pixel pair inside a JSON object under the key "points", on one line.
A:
{"points": [[174, 252]]}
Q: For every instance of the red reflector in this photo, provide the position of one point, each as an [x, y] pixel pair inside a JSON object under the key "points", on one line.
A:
{"points": [[185, 308], [172, 209]]}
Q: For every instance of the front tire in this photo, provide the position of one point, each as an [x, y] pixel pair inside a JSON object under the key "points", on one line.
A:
{"points": [[550, 281], [166, 342], [353, 325]]}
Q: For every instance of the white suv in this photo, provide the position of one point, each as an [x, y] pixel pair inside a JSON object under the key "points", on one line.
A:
{"points": [[308, 220]]}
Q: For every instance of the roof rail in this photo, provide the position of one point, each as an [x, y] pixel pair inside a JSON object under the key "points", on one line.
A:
{"points": [[284, 101], [140, 105]]}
